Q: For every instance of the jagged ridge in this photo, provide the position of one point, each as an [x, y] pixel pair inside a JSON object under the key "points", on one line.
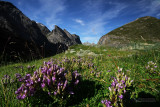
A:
{"points": [[22, 37], [63, 36]]}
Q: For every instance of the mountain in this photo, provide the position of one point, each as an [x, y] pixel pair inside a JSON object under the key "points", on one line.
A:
{"points": [[63, 36], [21, 37], [43, 28], [145, 29]]}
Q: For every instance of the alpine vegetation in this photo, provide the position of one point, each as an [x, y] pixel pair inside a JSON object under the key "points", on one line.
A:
{"points": [[118, 88], [50, 78]]}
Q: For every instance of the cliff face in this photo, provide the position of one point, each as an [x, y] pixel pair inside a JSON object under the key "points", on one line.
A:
{"points": [[43, 28], [63, 36], [144, 29], [22, 38]]}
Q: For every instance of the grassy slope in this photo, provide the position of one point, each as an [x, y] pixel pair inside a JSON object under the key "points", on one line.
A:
{"points": [[144, 29], [92, 88], [147, 27]]}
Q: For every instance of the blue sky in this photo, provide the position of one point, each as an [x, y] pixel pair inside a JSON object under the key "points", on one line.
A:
{"points": [[90, 19]]}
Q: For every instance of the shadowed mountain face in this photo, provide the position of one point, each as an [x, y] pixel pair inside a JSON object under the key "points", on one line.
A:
{"points": [[23, 38], [63, 36], [144, 29], [20, 37]]}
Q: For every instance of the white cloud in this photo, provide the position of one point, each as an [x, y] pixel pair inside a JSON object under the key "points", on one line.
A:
{"points": [[50, 11], [79, 21], [149, 7], [96, 27]]}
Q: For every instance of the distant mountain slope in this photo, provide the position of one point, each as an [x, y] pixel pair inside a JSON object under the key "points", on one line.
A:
{"points": [[63, 36], [144, 29]]}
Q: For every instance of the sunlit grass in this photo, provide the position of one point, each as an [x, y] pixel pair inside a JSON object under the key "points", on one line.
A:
{"points": [[96, 79]]}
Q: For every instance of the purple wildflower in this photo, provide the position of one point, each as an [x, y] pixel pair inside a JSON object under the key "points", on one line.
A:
{"points": [[48, 81], [53, 79], [123, 82], [113, 84], [42, 85], [121, 96], [55, 93], [18, 75], [106, 103], [49, 93], [109, 71]]}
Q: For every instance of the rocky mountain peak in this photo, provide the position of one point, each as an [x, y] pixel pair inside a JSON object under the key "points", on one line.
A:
{"points": [[63, 36], [57, 29], [43, 29], [6, 3], [21, 37]]}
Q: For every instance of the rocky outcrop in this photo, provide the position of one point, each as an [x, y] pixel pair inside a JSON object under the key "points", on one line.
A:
{"points": [[144, 29], [73, 37], [63, 36], [76, 39], [43, 28], [22, 38]]}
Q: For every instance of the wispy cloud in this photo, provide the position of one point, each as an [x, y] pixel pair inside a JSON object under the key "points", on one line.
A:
{"points": [[158, 15], [96, 27], [49, 11], [79, 21], [19, 2], [149, 7]]}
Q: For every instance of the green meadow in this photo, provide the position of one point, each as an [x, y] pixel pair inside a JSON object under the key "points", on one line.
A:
{"points": [[97, 67]]}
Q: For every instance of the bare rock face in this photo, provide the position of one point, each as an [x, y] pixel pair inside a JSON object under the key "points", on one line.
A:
{"points": [[63, 36], [22, 38], [76, 39], [43, 28], [73, 37]]}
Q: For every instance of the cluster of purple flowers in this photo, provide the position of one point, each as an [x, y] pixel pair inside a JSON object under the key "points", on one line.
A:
{"points": [[72, 63], [90, 65], [50, 78], [94, 71], [106, 103], [118, 88], [27, 88], [152, 67]]}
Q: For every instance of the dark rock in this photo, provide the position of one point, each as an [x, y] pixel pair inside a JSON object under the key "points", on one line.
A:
{"points": [[63, 36], [76, 39], [43, 28], [22, 38]]}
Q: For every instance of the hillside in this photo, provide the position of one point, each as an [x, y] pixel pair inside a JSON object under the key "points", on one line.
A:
{"points": [[144, 29]]}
